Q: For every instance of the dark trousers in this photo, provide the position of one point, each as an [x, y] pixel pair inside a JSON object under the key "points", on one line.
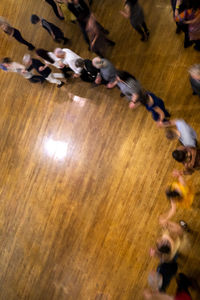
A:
{"points": [[66, 71], [140, 28], [183, 283], [82, 25], [36, 79], [167, 270], [17, 35], [55, 9]]}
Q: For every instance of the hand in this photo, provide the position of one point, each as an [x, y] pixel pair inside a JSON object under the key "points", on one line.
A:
{"points": [[176, 173], [159, 124], [110, 85], [152, 252], [41, 69], [131, 105], [98, 80], [75, 75]]}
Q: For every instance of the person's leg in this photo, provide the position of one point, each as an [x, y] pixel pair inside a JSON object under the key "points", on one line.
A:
{"points": [[197, 45], [58, 75], [52, 79], [110, 42], [183, 283], [55, 9], [36, 79], [17, 35], [187, 42], [167, 270], [85, 36], [144, 25], [141, 32]]}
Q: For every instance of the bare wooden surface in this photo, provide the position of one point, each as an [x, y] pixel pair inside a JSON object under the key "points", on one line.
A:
{"points": [[78, 223]]}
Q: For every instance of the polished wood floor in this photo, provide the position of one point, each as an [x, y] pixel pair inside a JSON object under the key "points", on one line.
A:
{"points": [[82, 176]]}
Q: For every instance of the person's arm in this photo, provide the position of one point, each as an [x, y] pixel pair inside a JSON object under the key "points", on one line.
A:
{"points": [[167, 216], [30, 68], [160, 112], [98, 79], [93, 42], [170, 123], [176, 13], [126, 12], [59, 10], [43, 67], [197, 18]]}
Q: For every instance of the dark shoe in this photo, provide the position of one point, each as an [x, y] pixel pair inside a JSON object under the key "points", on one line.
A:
{"points": [[105, 31], [122, 95], [197, 48], [178, 30], [31, 48], [73, 21], [147, 33], [111, 43], [184, 225], [66, 40], [60, 85], [194, 93], [187, 44], [143, 38]]}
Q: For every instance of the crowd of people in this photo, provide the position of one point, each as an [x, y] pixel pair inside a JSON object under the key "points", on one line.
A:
{"points": [[101, 71]]}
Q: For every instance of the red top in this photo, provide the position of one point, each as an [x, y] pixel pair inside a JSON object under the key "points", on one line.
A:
{"points": [[182, 296]]}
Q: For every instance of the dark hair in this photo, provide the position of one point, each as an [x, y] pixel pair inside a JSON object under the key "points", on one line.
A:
{"points": [[44, 54], [131, 2], [171, 134], [6, 60], [164, 249], [186, 4], [123, 75], [35, 19], [172, 193], [143, 97], [79, 63], [179, 155]]}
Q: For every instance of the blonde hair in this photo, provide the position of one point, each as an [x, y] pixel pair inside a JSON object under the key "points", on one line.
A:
{"points": [[194, 69]]}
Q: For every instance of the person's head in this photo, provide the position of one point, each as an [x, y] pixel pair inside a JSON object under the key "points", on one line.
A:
{"points": [[173, 193], [186, 4], [44, 54], [6, 28], [6, 60], [171, 134], [27, 59], [163, 247], [194, 71], [79, 63], [99, 62], [59, 53], [179, 155], [124, 76], [143, 97], [35, 19]]}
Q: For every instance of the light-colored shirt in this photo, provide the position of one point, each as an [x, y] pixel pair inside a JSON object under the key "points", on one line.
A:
{"points": [[188, 135], [18, 68], [57, 61], [70, 59]]}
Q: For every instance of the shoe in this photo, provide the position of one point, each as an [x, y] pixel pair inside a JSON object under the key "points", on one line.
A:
{"points": [[143, 38], [66, 40], [31, 48], [147, 33], [194, 93], [187, 44], [196, 48], [184, 225], [111, 43], [122, 95], [105, 31], [60, 85], [178, 30]]}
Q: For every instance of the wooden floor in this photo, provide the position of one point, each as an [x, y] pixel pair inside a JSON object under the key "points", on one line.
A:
{"points": [[82, 176]]}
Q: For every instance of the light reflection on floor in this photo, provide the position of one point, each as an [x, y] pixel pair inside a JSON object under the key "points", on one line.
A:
{"points": [[79, 100]]}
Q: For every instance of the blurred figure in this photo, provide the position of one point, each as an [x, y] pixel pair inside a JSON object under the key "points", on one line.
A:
{"points": [[15, 33], [98, 40], [56, 9], [88, 72], [153, 104], [8, 65], [179, 129], [189, 157], [64, 11], [52, 29], [107, 72], [194, 25], [180, 195], [32, 63], [194, 72], [68, 58], [134, 12]]}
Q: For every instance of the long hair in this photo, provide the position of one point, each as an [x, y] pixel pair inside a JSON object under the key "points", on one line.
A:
{"points": [[44, 54]]}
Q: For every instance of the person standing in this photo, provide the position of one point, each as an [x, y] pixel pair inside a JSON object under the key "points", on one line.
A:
{"points": [[52, 29], [194, 72], [68, 58], [56, 9], [8, 65], [88, 72], [179, 129], [107, 72], [134, 12], [15, 33], [32, 63]]}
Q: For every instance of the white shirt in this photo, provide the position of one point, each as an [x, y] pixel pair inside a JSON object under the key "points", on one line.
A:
{"points": [[57, 60], [70, 58], [188, 135], [18, 68]]}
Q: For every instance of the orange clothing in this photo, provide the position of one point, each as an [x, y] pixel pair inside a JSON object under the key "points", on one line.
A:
{"points": [[186, 192]]}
